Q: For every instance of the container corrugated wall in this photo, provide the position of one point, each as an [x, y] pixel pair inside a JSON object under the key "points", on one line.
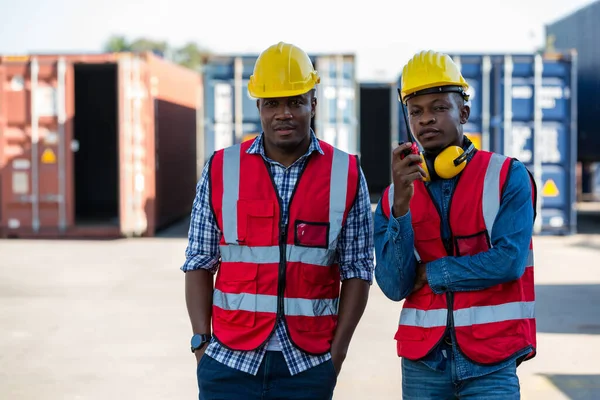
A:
{"points": [[176, 92], [595, 181], [581, 31], [37, 122], [536, 103], [231, 115], [229, 111], [79, 148]]}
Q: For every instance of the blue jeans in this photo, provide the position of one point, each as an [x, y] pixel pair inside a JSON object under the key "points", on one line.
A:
{"points": [[217, 381], [419, 382]]}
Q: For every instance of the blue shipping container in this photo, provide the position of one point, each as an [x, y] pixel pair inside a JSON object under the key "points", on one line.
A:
{"points": [[595, 181], [231, 115], [534, 99], [580, 30]]}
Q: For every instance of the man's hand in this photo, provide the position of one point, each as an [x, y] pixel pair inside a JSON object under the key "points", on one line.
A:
{"points": [[353, 300], [403, 176], [421, 278], [338, 359], [199, 353]]}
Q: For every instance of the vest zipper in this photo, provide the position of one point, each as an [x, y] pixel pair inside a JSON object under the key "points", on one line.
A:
{"points": [[439, 211], [283, 227], [450, 300], [451, 252], [282, 258], [282, 267], [449, 247]]}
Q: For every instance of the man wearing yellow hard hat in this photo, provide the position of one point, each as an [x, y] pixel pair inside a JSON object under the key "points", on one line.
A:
{"points": [[284, 220], [453, 239]]}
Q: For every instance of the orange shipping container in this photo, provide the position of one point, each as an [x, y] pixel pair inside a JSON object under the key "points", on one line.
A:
{"points": [[96, 145]]}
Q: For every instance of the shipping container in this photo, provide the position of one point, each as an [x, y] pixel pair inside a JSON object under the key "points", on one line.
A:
{"points": [[95, 145], [595, 181], [231, 115], [581, 31], [534, 98], [378, 132]]}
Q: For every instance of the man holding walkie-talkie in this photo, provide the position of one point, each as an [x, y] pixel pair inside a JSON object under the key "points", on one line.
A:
{"points": [[453, 238]]}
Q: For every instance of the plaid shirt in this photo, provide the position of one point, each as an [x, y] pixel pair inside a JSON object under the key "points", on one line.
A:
{"points": [[355, 254]]}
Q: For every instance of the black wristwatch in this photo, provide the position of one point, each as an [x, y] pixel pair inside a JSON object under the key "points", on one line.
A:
{"points": [[199, 341]]}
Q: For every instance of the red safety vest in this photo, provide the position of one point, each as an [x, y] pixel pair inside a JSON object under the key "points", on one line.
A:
{"points": [[273, 269], [492, 324]]}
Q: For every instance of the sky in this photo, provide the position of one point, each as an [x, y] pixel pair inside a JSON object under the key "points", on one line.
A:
{"points": [[382, 37]]}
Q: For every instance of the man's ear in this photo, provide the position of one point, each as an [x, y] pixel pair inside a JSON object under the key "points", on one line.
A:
{"points": [[465, 112], [258, 104], [313, 106]]}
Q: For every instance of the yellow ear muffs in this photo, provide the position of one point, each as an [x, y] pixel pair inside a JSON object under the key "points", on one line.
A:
{"points": [[450, 162], [425, 168], [447, 164]]}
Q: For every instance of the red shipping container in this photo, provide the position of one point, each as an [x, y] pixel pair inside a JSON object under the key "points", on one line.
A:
{"points": [[96, 145]]}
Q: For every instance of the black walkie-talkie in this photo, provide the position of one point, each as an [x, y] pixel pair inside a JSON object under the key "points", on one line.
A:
{"points": [[414, 149]]}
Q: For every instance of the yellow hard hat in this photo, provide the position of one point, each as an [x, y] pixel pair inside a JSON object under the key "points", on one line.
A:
{"points": [[431, 72], [282, 70]]}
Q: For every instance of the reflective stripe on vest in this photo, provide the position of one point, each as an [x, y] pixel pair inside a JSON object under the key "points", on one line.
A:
{"points": [[268, 304], [490, 202], [468, 316], [270, 254], [472, 315]]}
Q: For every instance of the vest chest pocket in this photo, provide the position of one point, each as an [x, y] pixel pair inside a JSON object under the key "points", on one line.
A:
{"points": [[472, 244], [427, 235], [311, 234], [256, 222]]}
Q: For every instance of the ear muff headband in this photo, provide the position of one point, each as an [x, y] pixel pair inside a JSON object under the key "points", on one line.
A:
{"points": [[463, 157]]}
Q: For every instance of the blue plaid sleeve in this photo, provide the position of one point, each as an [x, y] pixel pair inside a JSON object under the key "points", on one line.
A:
{"points": [[203, 236], [355, 247]]}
